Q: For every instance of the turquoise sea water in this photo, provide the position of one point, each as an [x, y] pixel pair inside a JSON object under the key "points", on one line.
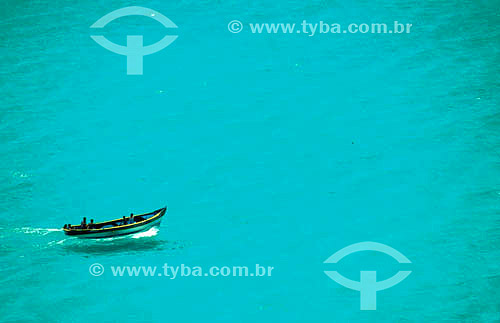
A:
{"points": [[268, 149]]}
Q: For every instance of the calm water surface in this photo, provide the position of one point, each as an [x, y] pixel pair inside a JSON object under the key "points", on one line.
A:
{"points": [[269, 149]]}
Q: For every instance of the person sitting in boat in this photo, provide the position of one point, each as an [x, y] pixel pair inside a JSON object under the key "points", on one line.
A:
{"points": [[91, 224], [131, 219], [124, 220], [84, 223]]}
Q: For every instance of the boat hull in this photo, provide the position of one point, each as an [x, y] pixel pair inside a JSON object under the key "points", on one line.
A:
{"points": [[119, 230]]}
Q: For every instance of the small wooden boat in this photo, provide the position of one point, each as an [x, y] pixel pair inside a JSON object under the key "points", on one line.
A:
{"points": [[118, 227]]}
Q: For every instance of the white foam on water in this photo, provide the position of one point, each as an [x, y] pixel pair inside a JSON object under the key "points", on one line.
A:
{"points": [[51, 243], [20, 175], [150, 233], [41, 231], [110, 239]]}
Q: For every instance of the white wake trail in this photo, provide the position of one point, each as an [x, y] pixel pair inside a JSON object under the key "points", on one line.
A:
{"points": [[150, 233]]}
